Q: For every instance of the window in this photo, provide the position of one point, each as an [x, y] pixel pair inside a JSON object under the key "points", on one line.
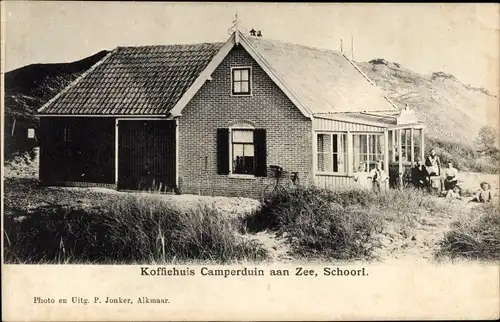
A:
{"points": [[65, 134], [241, 81], [331, 153], [405, 144], [368, 149], [242, 151], [31, 133]]}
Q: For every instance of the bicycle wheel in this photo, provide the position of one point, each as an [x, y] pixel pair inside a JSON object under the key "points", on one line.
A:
{"points": [[273, 192], [280, 194]]}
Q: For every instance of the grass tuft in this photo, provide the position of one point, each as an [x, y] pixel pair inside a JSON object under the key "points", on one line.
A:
{"points": [[475, 235], [133, 229]]}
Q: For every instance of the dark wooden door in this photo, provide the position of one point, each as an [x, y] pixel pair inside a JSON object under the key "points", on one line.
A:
{"points": [[146, 155]]}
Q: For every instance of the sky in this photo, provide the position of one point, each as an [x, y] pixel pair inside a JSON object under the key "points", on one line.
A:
{"points": [[461, 39]]}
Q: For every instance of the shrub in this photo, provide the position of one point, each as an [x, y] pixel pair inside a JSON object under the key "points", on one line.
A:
{"points": [[475, 235], [320, 224], [342, 224], [130, 230]]}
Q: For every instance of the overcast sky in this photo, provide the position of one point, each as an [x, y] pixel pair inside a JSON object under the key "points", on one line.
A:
{"points": [[462, 39]]}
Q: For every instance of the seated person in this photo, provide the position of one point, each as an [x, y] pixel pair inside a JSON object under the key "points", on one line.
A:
{"points": [[419, 175], [483, 194], [454, 193], [450, 177]]}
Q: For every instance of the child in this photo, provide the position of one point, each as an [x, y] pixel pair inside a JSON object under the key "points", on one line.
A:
{"points": [[361, 177], [483, 194], [454, 193]]}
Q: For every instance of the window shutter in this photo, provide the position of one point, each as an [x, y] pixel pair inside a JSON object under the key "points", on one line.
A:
{"points": [[222, 151], [259, 138]]}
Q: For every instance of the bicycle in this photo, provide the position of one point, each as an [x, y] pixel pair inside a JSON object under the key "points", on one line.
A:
{"points": [[277, 189]]}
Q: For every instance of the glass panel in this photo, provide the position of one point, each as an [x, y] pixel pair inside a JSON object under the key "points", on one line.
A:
{"points": [[325, 162], [237, 87], [243, 159], [244, 87], [248, 150], [242, 136], [236, 74], [244, 74], [324, 143], [362, 143], [237, 150]]}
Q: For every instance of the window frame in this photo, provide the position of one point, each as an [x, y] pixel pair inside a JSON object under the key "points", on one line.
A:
{"points": [[345, 157], [66, 134], [249, 93], [240, 127], [368, 149]]}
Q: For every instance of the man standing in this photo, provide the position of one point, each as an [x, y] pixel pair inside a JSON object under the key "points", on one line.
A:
{"points": [[377, 176]]}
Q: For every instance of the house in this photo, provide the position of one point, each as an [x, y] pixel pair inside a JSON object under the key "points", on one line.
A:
{"points": [[211, 118]]}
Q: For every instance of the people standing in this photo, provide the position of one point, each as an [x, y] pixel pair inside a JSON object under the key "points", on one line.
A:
{"points": [[433, 164], [377, 176], [361, 177]]}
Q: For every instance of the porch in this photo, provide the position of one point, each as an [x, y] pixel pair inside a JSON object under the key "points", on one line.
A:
{"points": [[343, 142]]}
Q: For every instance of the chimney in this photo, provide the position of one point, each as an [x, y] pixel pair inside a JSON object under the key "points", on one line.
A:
{"points": [[259, 33], [252, 32]]}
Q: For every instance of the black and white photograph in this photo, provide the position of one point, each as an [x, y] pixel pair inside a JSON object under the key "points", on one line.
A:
{"points": [[160, 133]]}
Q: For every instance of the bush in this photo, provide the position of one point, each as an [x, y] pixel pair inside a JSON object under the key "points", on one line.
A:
{"points": [[320, 224], [130, 230], [342, 224], [475, 235]]}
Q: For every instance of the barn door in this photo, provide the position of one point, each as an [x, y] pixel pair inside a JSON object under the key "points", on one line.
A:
{"points": [[146, 155]]}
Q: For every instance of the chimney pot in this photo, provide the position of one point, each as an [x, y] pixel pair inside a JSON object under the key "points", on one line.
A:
{"points": [[259, 33], [252, 32]]}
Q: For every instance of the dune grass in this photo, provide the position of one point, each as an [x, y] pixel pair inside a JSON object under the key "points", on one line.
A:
{"points": [[128, 230], [344, 225], [475, 235]]}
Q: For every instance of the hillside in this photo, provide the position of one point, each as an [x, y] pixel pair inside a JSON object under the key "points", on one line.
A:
{"points": [[27, 89], [452, 110]]}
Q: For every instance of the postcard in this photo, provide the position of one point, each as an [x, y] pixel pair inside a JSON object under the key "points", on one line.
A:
{"points": [[250, 161]]}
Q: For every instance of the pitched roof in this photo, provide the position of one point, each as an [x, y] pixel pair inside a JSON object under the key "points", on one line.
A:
{"points": [[150, 80], [325, 81], [147, 80]]}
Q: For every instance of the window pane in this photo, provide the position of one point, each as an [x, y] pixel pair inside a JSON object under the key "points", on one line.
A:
{"points": [[242, 136], [244, 87], [325, 162], [324, 143], [244, 74], [237, 150], [236, 74], [248, 150], [339, 153], [243, 163], [237, 87], [363, 143]]}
